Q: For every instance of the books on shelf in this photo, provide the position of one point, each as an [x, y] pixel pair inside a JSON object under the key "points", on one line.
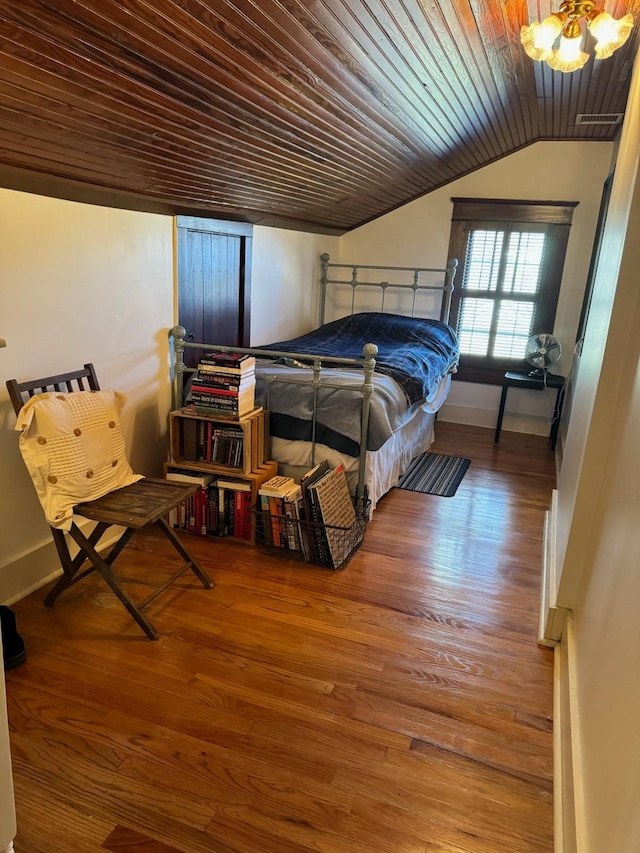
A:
{"points": [[230, 445], [191, 514], [220, 507]]}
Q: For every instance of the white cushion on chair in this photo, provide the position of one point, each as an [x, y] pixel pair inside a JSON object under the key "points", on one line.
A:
{"points": [[74, 449]]}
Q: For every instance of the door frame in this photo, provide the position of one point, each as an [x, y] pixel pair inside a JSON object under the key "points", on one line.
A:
{"points": [[224, 227]]}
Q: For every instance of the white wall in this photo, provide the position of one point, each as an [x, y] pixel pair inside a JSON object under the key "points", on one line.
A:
{"points": [[601, 367], [79, 283], [285, 282], [418, 233], [82, 283], [598, 534]]}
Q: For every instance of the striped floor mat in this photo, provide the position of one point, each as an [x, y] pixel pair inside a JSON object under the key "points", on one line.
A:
{"points": [[435, 474]]}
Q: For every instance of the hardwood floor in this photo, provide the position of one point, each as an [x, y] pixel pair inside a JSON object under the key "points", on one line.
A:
{"points": [[401, 704]]}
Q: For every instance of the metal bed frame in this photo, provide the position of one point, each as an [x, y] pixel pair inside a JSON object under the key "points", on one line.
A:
{"points": [[317, 379]]}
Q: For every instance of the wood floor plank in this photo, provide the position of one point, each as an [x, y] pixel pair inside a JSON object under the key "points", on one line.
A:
{"points": [[125, 840], [400, 703], [49, 825]]}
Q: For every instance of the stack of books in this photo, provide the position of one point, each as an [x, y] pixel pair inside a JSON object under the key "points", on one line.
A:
{"points": [[225, 385], [278, 499], [316, 517]]}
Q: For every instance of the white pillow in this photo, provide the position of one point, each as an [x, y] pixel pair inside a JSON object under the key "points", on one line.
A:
{"points": [[73, 447]]}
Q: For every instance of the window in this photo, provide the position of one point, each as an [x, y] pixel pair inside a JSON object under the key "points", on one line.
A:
{"points": [[511, 255]]}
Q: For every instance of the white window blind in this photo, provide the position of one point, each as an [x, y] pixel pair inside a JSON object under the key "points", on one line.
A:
{"points": [[511, 254], [500, 286]]}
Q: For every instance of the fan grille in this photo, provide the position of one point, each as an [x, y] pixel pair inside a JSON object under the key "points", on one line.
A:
{"points": [[543, 350]]}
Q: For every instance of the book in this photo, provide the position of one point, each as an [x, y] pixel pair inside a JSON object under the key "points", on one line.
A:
{"points": [[205, 370], [265, 519], [220, 401], [182, 516], [236, 361], [226, 391], [278, 528], [277, 486], [312, 531], [233, 410], [272, 501], [234, 485], [184, 475], [334, 506], [223, 512], [306, 537], [292, 526], [314, 474], [211, 414], [227, 359], [212, 512], [214, 379], [220, 384], [242, 513], [223, 399], [200, 502]]}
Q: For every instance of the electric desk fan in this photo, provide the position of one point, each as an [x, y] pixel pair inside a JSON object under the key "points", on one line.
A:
{"points": [[541, 352]]}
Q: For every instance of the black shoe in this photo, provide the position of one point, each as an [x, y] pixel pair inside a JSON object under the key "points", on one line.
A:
{"points": [[13, 649]]}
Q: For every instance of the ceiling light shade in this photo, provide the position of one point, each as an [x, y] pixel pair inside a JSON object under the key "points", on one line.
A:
{"points": [[569, 56], [539, 39], [609, 33]]}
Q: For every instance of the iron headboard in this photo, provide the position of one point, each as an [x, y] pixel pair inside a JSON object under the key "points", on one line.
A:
{"points": [[445, 288]]}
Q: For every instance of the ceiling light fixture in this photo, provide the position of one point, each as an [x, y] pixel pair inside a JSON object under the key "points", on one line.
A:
{"points": [[539, 38]]}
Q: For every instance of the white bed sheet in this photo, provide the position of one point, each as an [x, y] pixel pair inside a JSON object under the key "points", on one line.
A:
{"points": [[385, 466]]}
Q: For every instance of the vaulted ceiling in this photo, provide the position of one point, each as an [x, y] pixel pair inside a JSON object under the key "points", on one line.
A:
{"points": [[317, 115]]}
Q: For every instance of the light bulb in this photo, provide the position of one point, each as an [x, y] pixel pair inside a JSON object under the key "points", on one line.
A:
{"points": [[609, 33], [538, 39], [569, 56]]}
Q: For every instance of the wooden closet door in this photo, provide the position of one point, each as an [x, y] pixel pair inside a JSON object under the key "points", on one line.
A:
{"points": [[214, 281]]}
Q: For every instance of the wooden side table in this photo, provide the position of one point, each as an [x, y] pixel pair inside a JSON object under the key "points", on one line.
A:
{"points": [[523, 380]]}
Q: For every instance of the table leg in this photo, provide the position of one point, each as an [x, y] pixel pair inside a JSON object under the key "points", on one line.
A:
{"points": [[557, 412], [503, 400]]}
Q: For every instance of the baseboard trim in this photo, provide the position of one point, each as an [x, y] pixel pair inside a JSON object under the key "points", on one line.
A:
{"points": [[568, 795], [38, 567], [551, 618], [473, 416]]}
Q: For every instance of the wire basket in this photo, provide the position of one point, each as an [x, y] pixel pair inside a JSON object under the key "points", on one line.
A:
{"points": [[310, 541]]}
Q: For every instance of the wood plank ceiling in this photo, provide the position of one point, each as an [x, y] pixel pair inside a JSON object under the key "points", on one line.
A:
{"points": [[318, 115]]}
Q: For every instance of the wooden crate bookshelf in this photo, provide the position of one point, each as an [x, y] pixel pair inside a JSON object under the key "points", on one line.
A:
{"points": [[191, 440], [193, 437]]}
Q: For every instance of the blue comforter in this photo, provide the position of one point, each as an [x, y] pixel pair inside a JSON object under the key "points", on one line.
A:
{"points": [[416, 352], [414, 355]]}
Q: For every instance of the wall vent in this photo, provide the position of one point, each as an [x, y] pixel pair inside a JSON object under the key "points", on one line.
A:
{"points": [[599, 118]]}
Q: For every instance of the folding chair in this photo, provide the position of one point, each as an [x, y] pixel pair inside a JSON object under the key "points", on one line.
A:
{"points": [[137, 506]]}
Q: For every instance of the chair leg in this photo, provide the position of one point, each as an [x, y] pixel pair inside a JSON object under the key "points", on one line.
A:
{"points": [[104, 568], [70, 566], [195, 567]]}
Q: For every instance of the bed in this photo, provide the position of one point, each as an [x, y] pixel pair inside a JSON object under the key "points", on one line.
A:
{"points": [[362, 389]]}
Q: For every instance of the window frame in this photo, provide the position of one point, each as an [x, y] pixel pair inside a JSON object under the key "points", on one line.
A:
{"points": [[472, 214]]}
